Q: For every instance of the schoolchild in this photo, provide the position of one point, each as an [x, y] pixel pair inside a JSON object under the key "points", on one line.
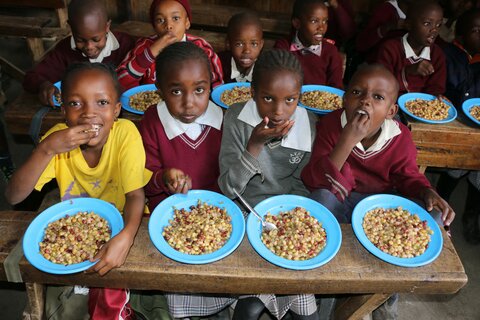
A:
{"points": [[341, 21], [266, 142], [91, 41], [414, 59], [93, 154], [170, 20], [244, 42], [320, 59]]}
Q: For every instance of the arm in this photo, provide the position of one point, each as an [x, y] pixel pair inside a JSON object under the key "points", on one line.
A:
{"points": [[335, 69], [436, 82], [283, 44], [342, 17]]}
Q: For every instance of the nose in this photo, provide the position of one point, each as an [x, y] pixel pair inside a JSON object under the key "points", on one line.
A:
{"points": [[246, 48], [169, 25], [90, 46], [89, 110], [365, 99], [188, 101]]}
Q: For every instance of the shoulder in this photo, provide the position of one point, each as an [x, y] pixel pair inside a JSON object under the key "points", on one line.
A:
{"points": [[200, 42], [122, 37], [283, 43], [233, 111], [125, 130], [330, 120]]}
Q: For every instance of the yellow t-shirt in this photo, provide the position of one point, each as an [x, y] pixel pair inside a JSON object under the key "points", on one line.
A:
{"points": [[121, 168]]}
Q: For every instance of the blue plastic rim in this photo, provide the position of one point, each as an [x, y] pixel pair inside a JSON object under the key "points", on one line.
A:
{"points": [[217, 92], [164, 212], [125, 98], [35, 231], [59, 87], [282, 203], [388, 201], [404, 98], [314, 87], [469, 104]]}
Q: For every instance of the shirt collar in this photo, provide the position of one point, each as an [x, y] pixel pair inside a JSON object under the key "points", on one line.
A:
{"points": [[389, 129], [239, 77], [297, 45], [212, 117], [110, 45], [409, 53], [298, 138], [400, 13]]}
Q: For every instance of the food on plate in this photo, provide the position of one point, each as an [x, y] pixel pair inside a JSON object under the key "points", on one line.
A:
{"points": [[202, 229], [475, 112], [299, 236], [235, 95], [142, 100], [321, 100], [428, 109], [74, 239], [397, 232]]}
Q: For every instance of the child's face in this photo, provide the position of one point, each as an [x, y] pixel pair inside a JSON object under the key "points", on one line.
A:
{"points": [[277, 95], [185, 87], [312, 24], [170, 16], [245, 45], [90, 97], [471, 40], [423, 28], [90, 35], [374, 93]]}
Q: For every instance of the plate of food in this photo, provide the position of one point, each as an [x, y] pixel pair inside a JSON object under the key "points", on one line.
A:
{"points": [[397, 230], [138, 99], [230, 93], [57, 98], [427, 108], [196, 228], [321, 99], [63, 238], [320, 234], [471, 108]]}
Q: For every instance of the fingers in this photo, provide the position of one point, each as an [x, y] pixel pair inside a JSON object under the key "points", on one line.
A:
{"points": [[265, 123], [429, 203]]}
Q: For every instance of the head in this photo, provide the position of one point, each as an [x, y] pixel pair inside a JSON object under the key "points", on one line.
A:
{"points": [[454, 8], [183, 80], [245, 39], [90, 25], [467, 31], [373, 90], [310, 19], [276, 84], [423, 21], [90, 95], [170, 16]]}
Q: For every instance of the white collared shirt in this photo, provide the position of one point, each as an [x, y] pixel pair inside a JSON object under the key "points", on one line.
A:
{"points": [[409, 53], [239, 77], [400, 13], [111, 45], [298, 138], [389, 129], [298, 45], [173, 127]]}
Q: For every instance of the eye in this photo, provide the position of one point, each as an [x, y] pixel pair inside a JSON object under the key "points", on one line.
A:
{"points": [[103, 102], [160, 21], [73, 104], [267, 99], [426, 24], [290, 100], [313, 21], [355, 92], [254, 44], [176, 92], [200, 90], [239, 44], [378, 97], [176, 18]]}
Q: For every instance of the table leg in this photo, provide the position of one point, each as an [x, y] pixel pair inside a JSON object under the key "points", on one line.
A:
{"points": [[357, 306], [36, 301], [422, 169]]}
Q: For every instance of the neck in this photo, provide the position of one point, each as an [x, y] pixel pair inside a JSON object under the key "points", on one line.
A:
{"points": [[417, 48], [367, 142]]}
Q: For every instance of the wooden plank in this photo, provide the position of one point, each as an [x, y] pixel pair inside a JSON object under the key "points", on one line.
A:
{"points": [[35, 48], [36, 300], [35, 3], [11, 69], [357, 306], [22, 26]]}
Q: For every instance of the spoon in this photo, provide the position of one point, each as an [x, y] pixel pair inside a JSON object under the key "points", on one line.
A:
{"points": [[268, 226]]}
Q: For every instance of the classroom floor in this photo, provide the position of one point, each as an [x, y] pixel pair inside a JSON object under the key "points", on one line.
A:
{"points": [[411, 306]]}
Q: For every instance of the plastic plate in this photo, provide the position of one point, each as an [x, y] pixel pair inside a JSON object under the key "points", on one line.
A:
{"points": [[125, 98], [314, 87], [59, 87], [217, 92], [469, 104], [452, 112]]}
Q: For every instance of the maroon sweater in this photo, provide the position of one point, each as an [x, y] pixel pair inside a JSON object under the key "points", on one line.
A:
{"points": [[198, 159], [392, 168], [392, 56], [53, 66]]}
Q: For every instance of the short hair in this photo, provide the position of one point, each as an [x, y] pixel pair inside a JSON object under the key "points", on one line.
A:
{"points": [[244, 18], [465, 21], [276, 60], [81, 8], [415, 10], [300, 5], [380, 68], [78, 67], [179, 52]]}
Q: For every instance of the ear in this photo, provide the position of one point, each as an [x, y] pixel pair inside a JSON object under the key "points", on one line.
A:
{"points": [[159, 91], [187, 24], [261, 44], [118, 108], [109, 23], [296, 23], [392, 111]]}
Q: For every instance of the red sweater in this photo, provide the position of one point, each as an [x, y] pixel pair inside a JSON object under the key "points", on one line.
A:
{"points": [[392, 168], [341, 23], [53, 66], [392, 55], [326, 69], [198, 159]]}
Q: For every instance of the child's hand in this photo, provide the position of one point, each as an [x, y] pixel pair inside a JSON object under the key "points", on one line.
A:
{"points": [[433, 200], [68, 139], [162, 42], [176, 181], [112, 254], [46, 92], [423, 68], [357, 129], [262, 133]]}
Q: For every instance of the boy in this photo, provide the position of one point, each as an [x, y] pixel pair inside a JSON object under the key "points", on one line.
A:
{"points": [[319, 57], [245, 42], [415, 60], [170, 19], [91, 40]]}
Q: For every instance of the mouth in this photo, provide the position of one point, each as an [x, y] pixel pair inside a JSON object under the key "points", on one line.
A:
{"points": [[274, 123], [95, 128], [363, 113], [188, 118], [431, 39], [318, 37], [246, 61]]}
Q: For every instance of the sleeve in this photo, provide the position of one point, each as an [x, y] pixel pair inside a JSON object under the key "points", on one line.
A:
{"points": [[437, 81], [215, 63], [335, 68], [283, 44], [237, 165], [370, 36], [343, 19], [127, 43]]}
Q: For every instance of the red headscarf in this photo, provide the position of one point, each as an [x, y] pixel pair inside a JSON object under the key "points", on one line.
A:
{"points": [[184, 3]]}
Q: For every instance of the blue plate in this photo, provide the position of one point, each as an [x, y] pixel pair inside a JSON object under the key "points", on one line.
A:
{"points": [[452, 112], [467, 105], [314, 87], [125, 98], [282, 203], [35, 232], [391, 201], [164, 212], [59, 87], [217, 92]]}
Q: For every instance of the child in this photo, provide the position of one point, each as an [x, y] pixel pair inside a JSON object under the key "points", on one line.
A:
{"points": [[93, 154], [245, 42], [341, 23], [170, 19], [266, 142], [415, 60], [182, 138], [319, 57], [91, 40], [452, 9]]}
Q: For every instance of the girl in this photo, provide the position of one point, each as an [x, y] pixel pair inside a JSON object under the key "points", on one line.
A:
{"points": [[93, 154], [265, 145]]}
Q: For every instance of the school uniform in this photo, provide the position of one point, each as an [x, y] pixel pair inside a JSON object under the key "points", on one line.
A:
{"points": [[230, 70], [341, 23]]}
